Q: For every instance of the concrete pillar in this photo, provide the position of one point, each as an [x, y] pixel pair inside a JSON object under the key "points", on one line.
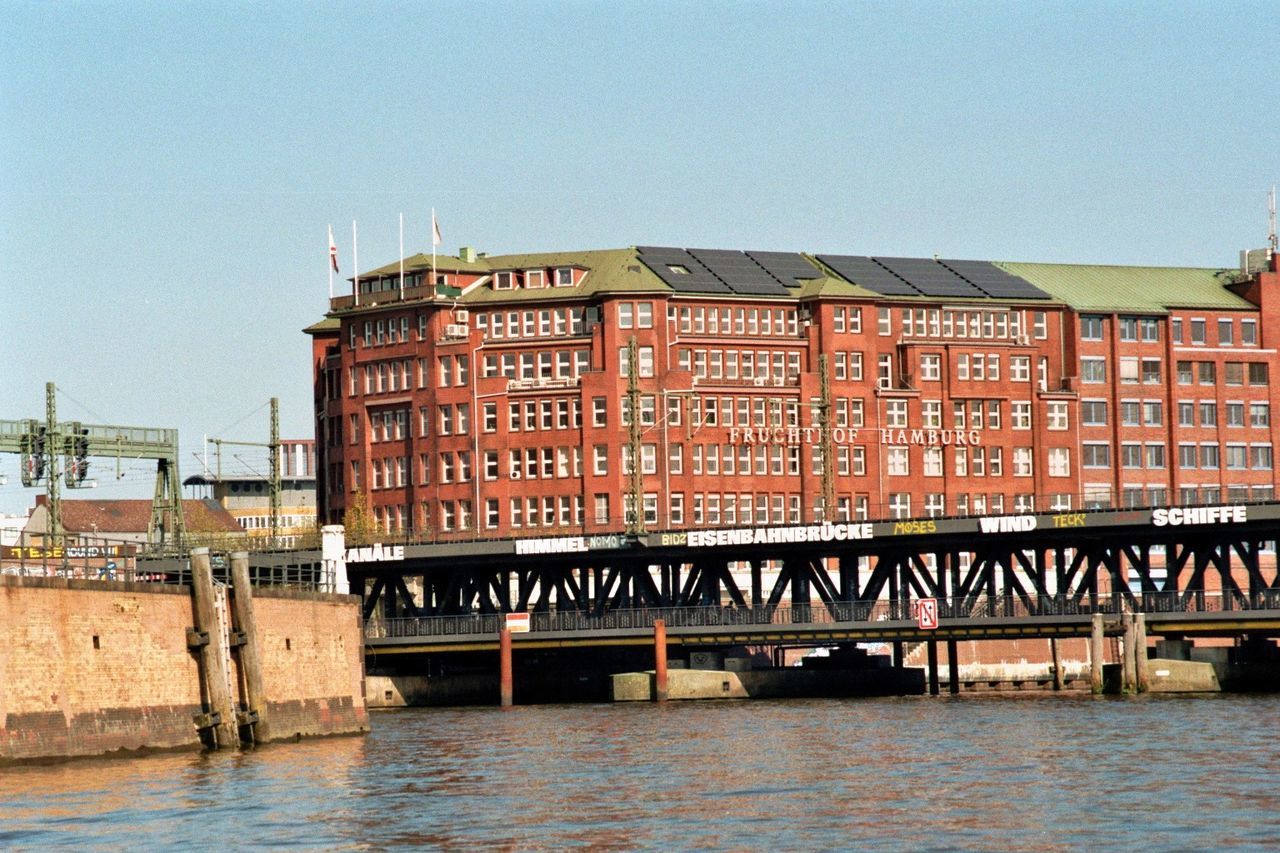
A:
{"points": [[953, 667], [333, 552], [1095, 654], [1057, 664], [504, 667], [660, 660], [1140, 651], [255, 694], [933, 667], [1128, 665], [213, 653], [898, 657]]}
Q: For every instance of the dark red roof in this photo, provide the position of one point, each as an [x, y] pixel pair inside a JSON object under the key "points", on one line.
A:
{"points": [[133, 516]]}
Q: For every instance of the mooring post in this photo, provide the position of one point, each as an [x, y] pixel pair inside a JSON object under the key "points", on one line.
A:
{"points": [[254, 719], [1095, 655], [933, 667], [1057, 663], [504, 667], [660, 660], [953, 667], [1128, 660], [221, 717], [1140, 651]]}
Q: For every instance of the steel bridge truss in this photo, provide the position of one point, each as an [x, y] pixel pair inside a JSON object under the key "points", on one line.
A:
{"points": [[1065, 568]]}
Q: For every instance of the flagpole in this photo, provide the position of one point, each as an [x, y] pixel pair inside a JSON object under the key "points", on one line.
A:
{"points": [[355, 263], [433, 250], [401, 257], [330, 264]]}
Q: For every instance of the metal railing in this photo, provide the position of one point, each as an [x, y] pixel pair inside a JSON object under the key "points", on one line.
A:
{"points": [[846, 613]]}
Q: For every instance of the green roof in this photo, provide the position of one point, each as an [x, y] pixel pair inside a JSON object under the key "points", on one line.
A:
{"points": [[609, 271], [1148, 290], [420, 262], [328, 324]]}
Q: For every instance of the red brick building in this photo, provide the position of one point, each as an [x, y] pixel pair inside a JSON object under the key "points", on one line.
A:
{"points": [[497, 400]]}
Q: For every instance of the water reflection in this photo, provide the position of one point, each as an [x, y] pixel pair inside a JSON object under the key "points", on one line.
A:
{"points": [[1028, 772]]}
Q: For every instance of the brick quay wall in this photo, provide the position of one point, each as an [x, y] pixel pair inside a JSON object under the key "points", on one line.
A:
{"points": [[91, 667]]}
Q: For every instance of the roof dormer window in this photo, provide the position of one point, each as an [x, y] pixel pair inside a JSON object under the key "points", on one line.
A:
{"points": [[534, 279], [564, 277], [504, 281], [678, 269]]}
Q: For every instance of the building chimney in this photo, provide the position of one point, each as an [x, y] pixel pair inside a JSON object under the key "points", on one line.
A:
{"points": [[467, 254]]}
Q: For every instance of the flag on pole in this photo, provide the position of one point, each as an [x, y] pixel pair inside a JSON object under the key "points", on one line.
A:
{"points": [[333, 251], [436, 239]]}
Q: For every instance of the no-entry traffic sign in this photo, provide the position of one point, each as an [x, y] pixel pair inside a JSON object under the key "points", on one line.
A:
{"points": [[927, 614]]}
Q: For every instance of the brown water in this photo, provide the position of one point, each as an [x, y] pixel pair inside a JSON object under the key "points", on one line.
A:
{"points": [[1036, 772]]}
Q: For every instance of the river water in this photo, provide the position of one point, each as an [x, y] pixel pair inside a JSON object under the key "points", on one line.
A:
{"points": [[998, 772]]}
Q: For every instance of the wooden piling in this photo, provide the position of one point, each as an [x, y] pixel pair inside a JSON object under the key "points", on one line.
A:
{"points": [[932, 648], [953, 667], [1057, 664], [504, 667], [1095, 654], [212, 643], [254, 720], [660, 692], [1140, 651], [1128, 660]]}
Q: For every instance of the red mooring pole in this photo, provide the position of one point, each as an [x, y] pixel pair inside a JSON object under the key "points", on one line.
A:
{"points": [[504, 666], [660, 660]]}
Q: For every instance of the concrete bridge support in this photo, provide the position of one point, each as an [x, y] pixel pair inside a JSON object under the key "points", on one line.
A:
{"points": [[1140, 652], [504, 668], [1095, 655], [660, 692]]}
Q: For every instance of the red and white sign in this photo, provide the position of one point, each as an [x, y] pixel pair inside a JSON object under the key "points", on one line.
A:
{"points": [[927, 614], [518, 623]]}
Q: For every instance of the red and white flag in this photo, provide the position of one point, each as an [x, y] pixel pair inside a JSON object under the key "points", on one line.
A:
{"points": [[436, 239], [333, 251]]}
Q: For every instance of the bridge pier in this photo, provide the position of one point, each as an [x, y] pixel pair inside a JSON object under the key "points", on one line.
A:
{"points": [[1140, 652], [953, 668], [1095, 655], [1057, 663], [504, 667], [1128, 658], [660, 692], [933, 667]]}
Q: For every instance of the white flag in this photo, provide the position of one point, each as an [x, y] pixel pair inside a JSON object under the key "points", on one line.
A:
{"points": [[436, 239]]}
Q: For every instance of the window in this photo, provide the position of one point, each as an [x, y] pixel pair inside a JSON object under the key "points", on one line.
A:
{"points": [[1151, 371], [1131, 455], [932, 461], [1175, 330], [1260, 457], [1225, 329], [1040, 323], [930, 367], [895, 413], [1185, 373], [899, 461], [884, 321], [1020, 414], [1234, 413], [1249, 332], [1258, 373], [1090, 328], [503, 281], [1128, 328], [1130, 413], [931, 414], [1236, 456], [1056, 412], [900, 505], [1155, 455], [1129, 370], [1233, 373], [1197, 331], [1093, 412], [564, 277], [1150, 329], [1208, 413], [1020, 368], [1260, 414], [1022, 462], [1152, 413], [600, 460], [1207, 372], [1093, 370], [1187, 456], [1095, 455]]}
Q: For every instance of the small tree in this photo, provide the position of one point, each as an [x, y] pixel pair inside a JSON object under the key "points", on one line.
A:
{"points": [[357, 520]]}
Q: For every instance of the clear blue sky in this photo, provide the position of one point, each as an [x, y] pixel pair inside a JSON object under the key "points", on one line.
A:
{"points": [[168, 171]]}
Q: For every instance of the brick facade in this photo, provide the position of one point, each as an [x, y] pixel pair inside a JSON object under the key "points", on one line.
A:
{"points": [[501, 409]]}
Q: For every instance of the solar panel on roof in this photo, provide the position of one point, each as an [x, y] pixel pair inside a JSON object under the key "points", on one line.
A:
{"points": [[739, 272], [865, 272], [788, 267], [680, 270], [995, 281], [930, 277]]}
